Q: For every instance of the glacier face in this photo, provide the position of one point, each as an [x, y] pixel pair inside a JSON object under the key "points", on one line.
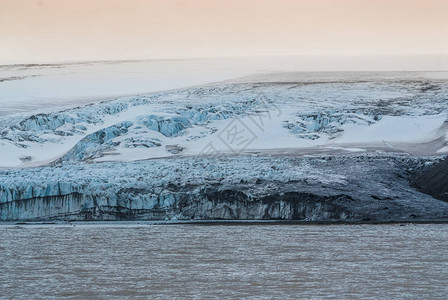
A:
{"points": [[327, 188]]}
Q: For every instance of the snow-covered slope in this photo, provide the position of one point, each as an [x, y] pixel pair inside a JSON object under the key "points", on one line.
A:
{"points": [[266, 117], [32, 87]]}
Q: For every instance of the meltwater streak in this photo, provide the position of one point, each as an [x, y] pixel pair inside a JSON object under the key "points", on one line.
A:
{"points": [[118, 261]]}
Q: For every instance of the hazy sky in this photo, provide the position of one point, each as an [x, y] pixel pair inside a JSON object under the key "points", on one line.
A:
{"points": [[66, 30]]}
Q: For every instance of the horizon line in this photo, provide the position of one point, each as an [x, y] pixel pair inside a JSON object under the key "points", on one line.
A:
{"points": [[99, 61]]}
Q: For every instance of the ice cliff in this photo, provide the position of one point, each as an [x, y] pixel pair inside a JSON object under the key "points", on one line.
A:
{"points": [[328, 188]]}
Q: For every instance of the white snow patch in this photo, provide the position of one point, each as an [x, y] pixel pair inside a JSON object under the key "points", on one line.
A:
{"points": [[443, 150], [394, 129]]}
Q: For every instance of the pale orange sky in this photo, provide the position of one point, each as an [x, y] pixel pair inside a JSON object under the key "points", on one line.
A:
{"points": [[67, 30]]}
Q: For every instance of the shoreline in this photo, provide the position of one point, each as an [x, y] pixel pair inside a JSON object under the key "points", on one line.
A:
{"points": [[222, 222]]}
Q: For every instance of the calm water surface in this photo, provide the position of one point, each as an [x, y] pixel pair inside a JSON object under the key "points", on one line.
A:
{"points": [[104, 261]]}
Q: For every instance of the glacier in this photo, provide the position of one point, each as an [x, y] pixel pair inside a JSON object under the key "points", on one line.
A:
{"points": [[329, 150]]}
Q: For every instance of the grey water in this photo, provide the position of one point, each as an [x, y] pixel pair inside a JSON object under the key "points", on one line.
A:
{"points": [[116, 261]]}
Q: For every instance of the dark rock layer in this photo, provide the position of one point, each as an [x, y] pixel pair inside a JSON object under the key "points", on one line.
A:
{"points": [[433, 181]]}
